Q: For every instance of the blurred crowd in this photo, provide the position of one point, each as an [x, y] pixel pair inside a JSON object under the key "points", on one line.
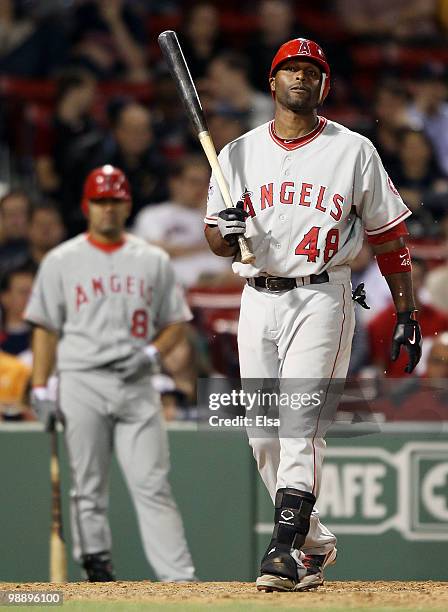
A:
{"points": [[82, 83]]}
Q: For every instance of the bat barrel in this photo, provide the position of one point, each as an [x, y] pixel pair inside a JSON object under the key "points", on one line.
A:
{"points": [[177, 65]]}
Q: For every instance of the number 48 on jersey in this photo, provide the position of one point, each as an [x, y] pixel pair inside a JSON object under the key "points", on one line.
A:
{"points": [[308, 245]]}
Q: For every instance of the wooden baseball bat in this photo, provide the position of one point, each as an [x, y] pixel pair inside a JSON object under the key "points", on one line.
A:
{"points": [[177, 65], [58, 555]]}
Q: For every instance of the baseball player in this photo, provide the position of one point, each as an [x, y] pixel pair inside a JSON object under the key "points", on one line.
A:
{"points": [[105, 308], [307, 190]]}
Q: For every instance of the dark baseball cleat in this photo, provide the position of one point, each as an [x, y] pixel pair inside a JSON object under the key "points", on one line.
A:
{"points": [[98, 567], [268, 583], [315, 565], [278, 572]]}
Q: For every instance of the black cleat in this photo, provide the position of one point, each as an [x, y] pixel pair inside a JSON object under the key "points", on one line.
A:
{"points": [[278, 572], [98, 567]]}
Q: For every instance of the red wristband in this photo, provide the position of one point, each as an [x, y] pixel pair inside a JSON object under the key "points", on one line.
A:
{"points": [[394, 262]]}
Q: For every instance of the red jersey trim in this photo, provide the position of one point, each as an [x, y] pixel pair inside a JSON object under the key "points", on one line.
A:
{"points": [[391, 234], [389, 225], [296, 143], [107, 248]]}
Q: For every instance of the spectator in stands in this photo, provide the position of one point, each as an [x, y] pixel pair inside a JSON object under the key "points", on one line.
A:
{"points": [[64, 145], [32, 42], [276, 25], [437, 285], [109, 38], [417, 174], [200, 37], [429, 109], [132, 147], [15, 380], [380, 329], [386, 19], [178, 224], [390, 115], [165, 7], [15, 289], [15, 209], [224, 127], [170, 122], [437, 365], [442, 14], [444, 223], [231, 91], [423, 398], [46, 231]]}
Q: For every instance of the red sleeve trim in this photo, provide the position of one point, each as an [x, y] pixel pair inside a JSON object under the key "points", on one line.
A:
{"points": [[391, 234], [389, 225]]}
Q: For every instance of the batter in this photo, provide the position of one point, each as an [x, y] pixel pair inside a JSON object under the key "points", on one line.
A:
{"points": [[108, 303], [308, 189]]}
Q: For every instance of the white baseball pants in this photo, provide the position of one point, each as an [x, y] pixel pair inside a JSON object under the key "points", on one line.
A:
{"points": [[300, 335]]}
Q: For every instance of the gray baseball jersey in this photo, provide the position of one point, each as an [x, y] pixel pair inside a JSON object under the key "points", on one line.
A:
{"points": [[309, 199], [104, 304]]}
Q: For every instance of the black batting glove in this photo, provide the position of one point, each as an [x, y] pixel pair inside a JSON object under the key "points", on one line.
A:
{"points": [[359, 296], [232, 222], [407, 333]]}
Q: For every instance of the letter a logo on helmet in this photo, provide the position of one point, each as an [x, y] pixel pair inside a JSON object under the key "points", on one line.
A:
{"points": [[311, 52], [105, 183], [304, 48]]}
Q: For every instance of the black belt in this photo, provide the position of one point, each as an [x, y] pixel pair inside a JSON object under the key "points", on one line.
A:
{"points": [[280, 283]]}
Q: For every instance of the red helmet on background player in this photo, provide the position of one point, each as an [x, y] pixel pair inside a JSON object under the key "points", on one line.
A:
{"points": [[308, 50], [105, 182]]}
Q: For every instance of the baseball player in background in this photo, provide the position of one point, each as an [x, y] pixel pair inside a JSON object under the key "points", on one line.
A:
{"points": [[308, 189], [105, 309]]}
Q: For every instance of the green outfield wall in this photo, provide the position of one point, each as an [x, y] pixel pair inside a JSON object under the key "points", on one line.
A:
{"points": [[384, 495]]}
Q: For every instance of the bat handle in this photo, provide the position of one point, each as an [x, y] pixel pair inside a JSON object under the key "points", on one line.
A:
{"points": [[247, 257]]}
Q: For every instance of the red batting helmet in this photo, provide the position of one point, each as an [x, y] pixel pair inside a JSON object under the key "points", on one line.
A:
{"points": [[105, 182], [308, 50]]}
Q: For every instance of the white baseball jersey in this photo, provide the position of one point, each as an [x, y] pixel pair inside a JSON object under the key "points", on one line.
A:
{"points": [[309, 199], [105, 303], [175, 225]]}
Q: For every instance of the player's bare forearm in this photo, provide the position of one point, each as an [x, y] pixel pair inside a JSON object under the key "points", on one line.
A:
{"points": [[44, 345], [217, 243], [169, 337], [400, 284]]}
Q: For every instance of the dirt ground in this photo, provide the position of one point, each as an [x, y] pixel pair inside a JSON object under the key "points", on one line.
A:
{"points": [[340, 595]]}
